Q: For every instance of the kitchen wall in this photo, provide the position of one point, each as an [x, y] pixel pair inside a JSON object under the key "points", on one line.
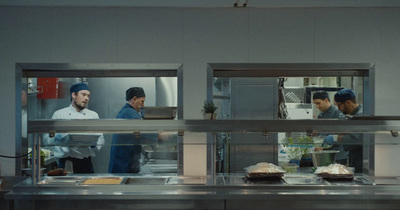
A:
{"points": [[195, 37]]}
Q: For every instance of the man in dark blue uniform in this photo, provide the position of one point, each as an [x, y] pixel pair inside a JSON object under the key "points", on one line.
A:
{"points": [[329, 111], [126, 148], [345, 100]]}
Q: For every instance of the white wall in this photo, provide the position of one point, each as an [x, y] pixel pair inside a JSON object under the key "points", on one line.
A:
{"points": [[196, 37]]}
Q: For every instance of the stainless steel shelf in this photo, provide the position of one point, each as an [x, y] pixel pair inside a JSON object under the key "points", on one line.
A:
{"points": [[368, 125]]}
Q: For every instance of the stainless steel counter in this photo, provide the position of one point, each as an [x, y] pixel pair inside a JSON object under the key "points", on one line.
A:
{"points": [[222, 192]]}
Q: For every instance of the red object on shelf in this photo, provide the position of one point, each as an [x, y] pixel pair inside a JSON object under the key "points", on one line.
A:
{"points": [[50, 88]]}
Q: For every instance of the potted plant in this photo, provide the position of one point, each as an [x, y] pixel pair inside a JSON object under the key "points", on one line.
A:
{"points": [[299, 148], [209, 110]]}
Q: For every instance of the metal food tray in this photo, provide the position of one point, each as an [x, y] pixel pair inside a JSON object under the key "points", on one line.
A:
{"points": [[97, 181], [302, 180], [81, 139], [145, 180], [346, 182], [61, 180], [158, 112], [188, 180]]}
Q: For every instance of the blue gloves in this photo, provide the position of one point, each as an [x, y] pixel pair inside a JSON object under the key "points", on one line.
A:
{"points": [[328, 140], [59, 137]]}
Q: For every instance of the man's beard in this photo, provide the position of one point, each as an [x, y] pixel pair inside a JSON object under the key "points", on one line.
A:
{"points": [[80, 107]]}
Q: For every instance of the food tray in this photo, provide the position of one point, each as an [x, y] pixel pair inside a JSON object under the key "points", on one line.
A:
{"points": [[302, 180], [80, 139], [62, 180], [158, 112], [264, 170], [145, 181], [346, 182], [332, 172], [187, 180], [102, 180]]}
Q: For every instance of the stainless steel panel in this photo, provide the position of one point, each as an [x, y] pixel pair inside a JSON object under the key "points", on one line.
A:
{"points": [[252, 98], [167, 91], [145, 204], [289, 69], [99, 69]]}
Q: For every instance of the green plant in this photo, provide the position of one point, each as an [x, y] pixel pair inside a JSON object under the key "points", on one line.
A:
{"points": [[209, 107], [299, 146]]}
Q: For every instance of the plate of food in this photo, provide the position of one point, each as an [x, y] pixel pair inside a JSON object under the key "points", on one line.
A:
{"points": [[264, 170]]}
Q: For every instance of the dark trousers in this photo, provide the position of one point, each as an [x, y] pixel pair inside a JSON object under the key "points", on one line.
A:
{"points": [[80, 166]]}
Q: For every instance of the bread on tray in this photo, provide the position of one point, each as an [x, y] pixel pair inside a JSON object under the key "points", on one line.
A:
{"points": [[335, 171], [264, 169]]}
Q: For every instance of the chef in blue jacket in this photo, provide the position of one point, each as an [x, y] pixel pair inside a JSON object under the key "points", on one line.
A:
{"points": [[346, 102], [329, 111], [126, 148]]}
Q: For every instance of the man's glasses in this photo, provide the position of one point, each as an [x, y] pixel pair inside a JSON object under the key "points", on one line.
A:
{"points": [[338, 105]]}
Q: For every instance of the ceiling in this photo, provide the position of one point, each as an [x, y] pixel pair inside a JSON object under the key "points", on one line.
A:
{"points": [[205, 3]]}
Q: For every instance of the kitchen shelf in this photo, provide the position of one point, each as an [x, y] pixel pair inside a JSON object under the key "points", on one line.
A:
{"points": [[371, 124]]}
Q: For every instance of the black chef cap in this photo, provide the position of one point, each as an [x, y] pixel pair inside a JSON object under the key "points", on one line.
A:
{"points": [[78, 87], [134, 91], [344, 95], [321, 94]]}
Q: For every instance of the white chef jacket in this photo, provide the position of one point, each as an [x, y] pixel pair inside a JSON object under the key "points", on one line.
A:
{"points": [[75, 152]]}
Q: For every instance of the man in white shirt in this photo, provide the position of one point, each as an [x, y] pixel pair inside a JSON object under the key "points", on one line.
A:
{"points": [[80, 156]]}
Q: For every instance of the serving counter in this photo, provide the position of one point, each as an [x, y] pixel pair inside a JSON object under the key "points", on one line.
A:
{"points": [[225, 191], [301, 190]]}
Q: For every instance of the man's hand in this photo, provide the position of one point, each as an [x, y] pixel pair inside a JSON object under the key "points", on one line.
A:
{"points": [[60, 137], [163, 136]]}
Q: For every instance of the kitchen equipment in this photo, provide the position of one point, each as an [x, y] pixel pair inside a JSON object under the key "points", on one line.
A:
{"points": [[165, 168], [158, 112], [318, 141], [165, 153], [290, 167], [323, 157], [29, 172]]}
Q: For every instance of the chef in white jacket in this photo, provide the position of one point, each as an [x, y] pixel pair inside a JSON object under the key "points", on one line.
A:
{"points": [[80, 156]]}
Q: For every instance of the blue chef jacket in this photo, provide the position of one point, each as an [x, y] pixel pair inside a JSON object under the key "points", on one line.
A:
{"points": [[126, 148]]}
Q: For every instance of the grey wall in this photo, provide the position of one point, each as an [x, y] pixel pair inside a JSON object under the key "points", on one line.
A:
{"points": [[195, 37]]}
